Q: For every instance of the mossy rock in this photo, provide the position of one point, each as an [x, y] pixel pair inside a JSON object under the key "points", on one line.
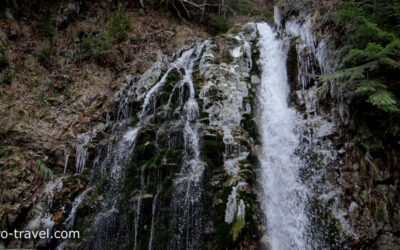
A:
{"points": [[147, 134], [173, 78], [250, 126], [145, 151], [213, 152]]}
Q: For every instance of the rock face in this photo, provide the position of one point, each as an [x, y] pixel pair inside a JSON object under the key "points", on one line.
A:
{"points": [[357, 187], [168, 159], [173, 165], [54, 114]]}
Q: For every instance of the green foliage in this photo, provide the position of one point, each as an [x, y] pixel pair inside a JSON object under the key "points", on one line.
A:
{"points": [[237, 227], [213, 152], [3, 61], [7, 76], [119, 26], [46, 26], [45, 55], [368, 74], [219, 24], [145, 151], [250, 126], [243, 7], [92, 48], [99, 48], [172, 78], [45, 172], [174, 156], [269, 16], [380, 213], [383, 100]]}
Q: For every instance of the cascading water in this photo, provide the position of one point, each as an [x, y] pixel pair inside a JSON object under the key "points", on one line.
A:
{"points": [[188, 185], [285, 195], [184, 141], [298, 155]]}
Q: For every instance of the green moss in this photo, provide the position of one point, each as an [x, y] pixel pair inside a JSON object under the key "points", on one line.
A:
{"points": [[255, 56], [146, 134], [249, 176], [102, 185], [250, 126], [174, 156], [135, 122], [151, 187], [250, 201], [145, 151], [222, 237], [213, 151], [198, 80], [172, 78], [133, 183], [380, 213], [204, 114], [249, 99], [159, 157]]}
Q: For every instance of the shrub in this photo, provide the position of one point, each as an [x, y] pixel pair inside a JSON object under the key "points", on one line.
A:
{"points": [[119, 26], [45, 55], [45, 172], [46, 26], [269, 16], [219, 24], [7, 76], [96, 49], [100, 48], [213, 152], [368, 75], [243, 7], [3, 61]]}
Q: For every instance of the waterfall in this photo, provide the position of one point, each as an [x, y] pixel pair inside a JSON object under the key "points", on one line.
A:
{"points": [[153, 212], [182, 151], [285, 195], [188, 184]]}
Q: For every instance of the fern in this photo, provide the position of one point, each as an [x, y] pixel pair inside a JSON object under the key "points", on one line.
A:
{"points": [[369, 86], [383, 100], [368, 74]]}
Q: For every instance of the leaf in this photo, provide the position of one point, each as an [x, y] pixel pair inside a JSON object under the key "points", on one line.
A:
{"points": [[237, 227], [45, 172], [383, 100], [369, 86]]}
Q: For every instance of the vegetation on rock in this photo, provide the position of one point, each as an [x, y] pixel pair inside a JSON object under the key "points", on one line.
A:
{"points": [[369, 72]]}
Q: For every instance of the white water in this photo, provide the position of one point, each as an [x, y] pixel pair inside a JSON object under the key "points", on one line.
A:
{"points": [[69, 222], [285, 195], [153, 212], [188, 184], [66, 162]]}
